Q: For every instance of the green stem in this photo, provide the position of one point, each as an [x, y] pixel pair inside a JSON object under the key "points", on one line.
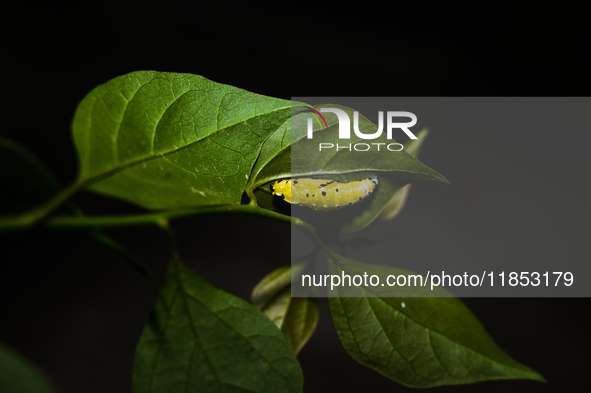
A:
{"points": [[327, 251], [135, 262], [71, 222], [60, 198], [34, 216], [253, 199]]}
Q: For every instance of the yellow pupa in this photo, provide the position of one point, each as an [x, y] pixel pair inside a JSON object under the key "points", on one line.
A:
{"points": [[319, 194]]}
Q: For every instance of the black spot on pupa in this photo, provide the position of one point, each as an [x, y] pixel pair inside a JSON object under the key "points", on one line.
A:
{"points": [[323, 193], [360, 198], [337, 190], [295, 182], [338, 206], [350, 203], [323, 185], [307, 195]]}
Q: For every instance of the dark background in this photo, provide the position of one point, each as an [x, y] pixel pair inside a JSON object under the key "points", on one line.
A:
{"points": [[76, 309]]}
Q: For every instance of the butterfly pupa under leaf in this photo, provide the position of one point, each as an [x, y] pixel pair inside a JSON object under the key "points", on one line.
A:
{"points": [[319, 194]]}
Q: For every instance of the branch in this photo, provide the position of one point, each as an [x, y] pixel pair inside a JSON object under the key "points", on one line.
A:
{"points": [[73, 222]]}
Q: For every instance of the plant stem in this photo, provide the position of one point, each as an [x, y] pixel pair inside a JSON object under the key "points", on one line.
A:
{"points": [[34, 216], [135, 262], [71, 222]]}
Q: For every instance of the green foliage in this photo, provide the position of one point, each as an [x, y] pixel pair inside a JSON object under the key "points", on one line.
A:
{"points": [[181, 145], [303, 159], [296, 317], [17, 375], [417, 341], [396, 203], [165, 140], [200, 338]]}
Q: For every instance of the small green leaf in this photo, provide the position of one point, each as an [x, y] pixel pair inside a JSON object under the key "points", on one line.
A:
{"points": [[396, 203], [200, 338], [300, 322], [296, 317], [417, 341], [272, 295], [17, 375], [167, 140]]}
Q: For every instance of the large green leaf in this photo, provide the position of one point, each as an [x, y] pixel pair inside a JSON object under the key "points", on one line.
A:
{"points": [[289, 153], [296, 317], [203, 339], [167, 140], [307, 160], [17, 375], [416, 341], [274, 162]]}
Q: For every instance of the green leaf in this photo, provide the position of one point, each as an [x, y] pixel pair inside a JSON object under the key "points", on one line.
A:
{"points": [[396, 203], [17, 375], [167, 140], [300, 322], [200, 338], [417, 341], [274, 161], [286, 154], [292, 154], [307, 160], [296, 317], [272, 294]]}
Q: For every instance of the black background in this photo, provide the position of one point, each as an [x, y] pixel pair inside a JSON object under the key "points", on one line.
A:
{"points": [[76, 309]]}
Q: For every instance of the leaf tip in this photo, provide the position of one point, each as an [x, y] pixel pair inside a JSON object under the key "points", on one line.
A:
{"points": [[439, 177], [538, 377]]}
